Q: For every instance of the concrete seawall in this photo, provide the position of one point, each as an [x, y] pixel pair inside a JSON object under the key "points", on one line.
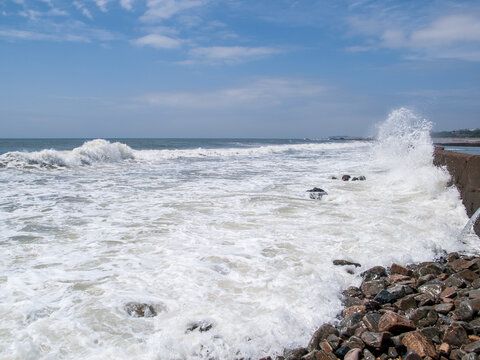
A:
{"points": [[465, 172]]}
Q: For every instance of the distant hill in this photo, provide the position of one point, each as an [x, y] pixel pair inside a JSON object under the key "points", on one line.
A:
{"points": [[463, 133]]}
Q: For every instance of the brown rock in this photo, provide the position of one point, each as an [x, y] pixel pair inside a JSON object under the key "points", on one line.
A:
{"points": [[354, 309], [444, 349], [394, 278], [474, 294], [411, 355], [373, 339], [455, 281], [472, 347], [345, 263], [395, 323], [468, 275], [399, 269], [353, 354], [319, 355], [461, 264], [449, 292], [294, 354], [455, 335], [321, 334], [325, 346], [420, 344], [373, 287]]}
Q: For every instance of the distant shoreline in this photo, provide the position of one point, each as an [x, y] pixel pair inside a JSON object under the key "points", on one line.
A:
{"points": [[457, 141]]}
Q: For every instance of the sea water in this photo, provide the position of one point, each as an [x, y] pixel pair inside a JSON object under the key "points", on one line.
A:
{"points": [[217, 232]]}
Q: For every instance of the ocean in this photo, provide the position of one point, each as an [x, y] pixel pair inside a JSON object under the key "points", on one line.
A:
{"points": [[218, 236]]}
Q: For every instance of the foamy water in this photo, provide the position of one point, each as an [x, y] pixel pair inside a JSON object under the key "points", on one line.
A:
{"points": [[224, 235]]}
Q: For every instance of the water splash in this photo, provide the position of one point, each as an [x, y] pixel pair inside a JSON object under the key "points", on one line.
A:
{"points": [[91, 152]]}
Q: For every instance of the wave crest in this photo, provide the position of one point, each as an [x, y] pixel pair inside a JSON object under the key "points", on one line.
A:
{"points": [[91, 152]]}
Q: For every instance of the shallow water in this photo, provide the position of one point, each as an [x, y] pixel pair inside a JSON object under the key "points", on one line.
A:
{"points": [[220, 231]]}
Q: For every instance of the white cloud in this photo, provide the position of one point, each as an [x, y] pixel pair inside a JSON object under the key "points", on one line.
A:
{"points": [[12, 34], [127, 4], [158, 10], [102, 4], [229, 54], [81, 7], [158, 41], [262, 92], [428, 35]]}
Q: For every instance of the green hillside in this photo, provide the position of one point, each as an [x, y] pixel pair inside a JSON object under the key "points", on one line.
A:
{"points": [[463, 133]]}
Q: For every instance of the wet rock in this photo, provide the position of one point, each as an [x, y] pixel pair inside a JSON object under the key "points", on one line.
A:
{"points": [[475, 325], [425, 279], [468, 275], [461, 264], [346, 177], [470, 356], [455, 281], [325, 346], [345, 263], [444, 349], [362, 178], [202, 326], [317, 193], [400, 290], [350, 324], [412, 355], [420, 344], [333, 340], [368, 355], [457, 354], [385, 296], [407, 302], [455, 335], [431, 333], [353, 354], [295, 354], [395, 323], [355, 343], [354, 309], [423, 316], [320, 334], [402, 270], [373, 287], [349, 301], [474, 294], [371, 321], [342, 351], [140, 310], [428, 268], [373, 339], [434, 290], [443, 308], [374, 273], [472, 347], [465, 311], [353, 291]]}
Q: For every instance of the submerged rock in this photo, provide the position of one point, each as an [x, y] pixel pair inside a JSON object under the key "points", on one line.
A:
{"points": [[345, 263], [346, 177], [317, 193], [140, 310], [201, 326]]}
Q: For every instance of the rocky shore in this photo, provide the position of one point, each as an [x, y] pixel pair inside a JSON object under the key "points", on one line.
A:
{"points": [[422, 311]]}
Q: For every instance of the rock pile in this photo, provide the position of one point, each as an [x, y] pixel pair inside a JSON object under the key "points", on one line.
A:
{"points": [[428, 310]]}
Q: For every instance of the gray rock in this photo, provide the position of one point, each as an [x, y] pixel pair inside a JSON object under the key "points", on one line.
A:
{"points": [[455, 335], [140, 309], [473, 347], [470, 356], [373, 339], [368, 355], [345, 263], [202, 326], [465, 311], [350, 324], [294, 354], [346, 177], [374, 273], [385, 296], [371, 321], [373, 287]]}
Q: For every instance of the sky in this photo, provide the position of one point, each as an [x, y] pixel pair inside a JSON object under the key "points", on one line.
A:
{"points": [[233, 68]]}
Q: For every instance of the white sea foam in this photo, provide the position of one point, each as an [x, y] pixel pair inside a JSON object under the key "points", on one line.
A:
{"points": [[224, 236]]}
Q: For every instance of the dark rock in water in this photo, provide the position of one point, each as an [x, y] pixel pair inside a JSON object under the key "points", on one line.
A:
{"points": [[353, 291], [362, 178], [295, 354], [350, 324], [384, 297], [374, 273], [140, 310], [345, 263], [317, 193], [354, 178], [333, 178], [372, 288], [202, 326], [346, 177]]}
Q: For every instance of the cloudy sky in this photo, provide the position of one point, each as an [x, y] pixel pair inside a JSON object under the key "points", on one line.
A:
{"points": [[234, 68]]}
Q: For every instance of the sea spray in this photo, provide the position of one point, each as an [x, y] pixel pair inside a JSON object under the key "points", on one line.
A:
{"points": [[220, 235]]}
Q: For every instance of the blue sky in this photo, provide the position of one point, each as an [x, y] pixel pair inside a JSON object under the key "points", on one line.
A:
{"points": [[232, 68]]}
